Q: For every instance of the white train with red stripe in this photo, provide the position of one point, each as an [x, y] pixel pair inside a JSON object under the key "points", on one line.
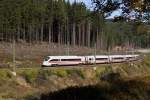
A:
{"points": [[79, 60]]}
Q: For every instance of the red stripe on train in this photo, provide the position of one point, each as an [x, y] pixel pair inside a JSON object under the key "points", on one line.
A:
{"points": [[60, 62]]}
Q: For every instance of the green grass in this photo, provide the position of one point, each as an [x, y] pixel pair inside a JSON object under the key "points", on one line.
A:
{"points": [[49, 72], [99, 71], [76, 72], [30, 75], [5, 74], [146, 61], [34, 75]]}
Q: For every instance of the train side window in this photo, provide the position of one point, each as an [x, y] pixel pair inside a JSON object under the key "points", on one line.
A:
{"points": [[118, 58], [47, 58], [55, 60], [101, 58], [129, 57], [64, 59], [70, 59]]}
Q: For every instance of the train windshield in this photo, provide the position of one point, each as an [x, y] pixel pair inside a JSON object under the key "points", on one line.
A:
{"points": [[47, 58]]}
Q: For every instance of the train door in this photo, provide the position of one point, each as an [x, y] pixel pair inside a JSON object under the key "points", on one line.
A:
{"points": [[109, 59], [91, 60]]}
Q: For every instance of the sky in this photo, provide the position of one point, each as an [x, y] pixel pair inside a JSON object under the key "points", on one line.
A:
{"points": [[87, 2], [89, 5]]}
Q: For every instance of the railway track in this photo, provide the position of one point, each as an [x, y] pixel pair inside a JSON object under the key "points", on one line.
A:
{"points": [[68, 67], [94, 64]]}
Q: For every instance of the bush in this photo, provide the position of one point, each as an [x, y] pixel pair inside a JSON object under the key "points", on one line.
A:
{"points": [[43, 74], [5, 75], [30, 75], [146, 61], [100, 70], [74, 72], [61, 72], [57, 72]]}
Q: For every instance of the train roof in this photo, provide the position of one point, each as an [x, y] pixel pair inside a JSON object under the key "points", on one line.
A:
{"points": [[99, 56], [65, 56], [105, 56], [123, 55]]}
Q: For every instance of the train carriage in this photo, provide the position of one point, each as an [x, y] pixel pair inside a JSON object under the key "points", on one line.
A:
{"points": [[118, 58], [63, 60], [78, 60], [102, 59], [132, 57]]}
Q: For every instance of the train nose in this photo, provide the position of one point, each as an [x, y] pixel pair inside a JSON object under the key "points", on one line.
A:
{"points": [[45, 63]]}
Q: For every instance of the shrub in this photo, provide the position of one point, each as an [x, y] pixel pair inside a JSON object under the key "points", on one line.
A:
{"points": [[99, 71], [146, 61], [5, 75], [57, 72], [30, 75], [74, 72], [61, 72], [43, 74]]}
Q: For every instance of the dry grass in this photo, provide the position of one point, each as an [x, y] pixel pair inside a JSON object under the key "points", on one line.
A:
{"points": [[34, 53]]}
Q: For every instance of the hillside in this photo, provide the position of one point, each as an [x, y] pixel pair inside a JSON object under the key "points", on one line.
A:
{"points": [[129, 81]]}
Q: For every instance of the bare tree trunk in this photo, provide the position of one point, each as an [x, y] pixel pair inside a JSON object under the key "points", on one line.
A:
{"points": [[103, 43], [88, 34], [4, 36], [1, 36], [73, 34], [80, 35], [37, 35], [68, 34], [59, 34], [59, 39], [49, 36], [11, 37], [42, 33], [94, 39], [65, 33], [83, 35], [30, 34], [18, 33], [14, 55], [52, 35], [24, 35], [98, 38]]}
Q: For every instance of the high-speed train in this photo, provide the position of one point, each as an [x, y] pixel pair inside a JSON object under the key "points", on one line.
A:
{"points": [[81, 60]]}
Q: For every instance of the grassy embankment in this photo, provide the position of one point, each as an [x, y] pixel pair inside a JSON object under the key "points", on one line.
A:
{"points": [[121, 82], [30, 83]]}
